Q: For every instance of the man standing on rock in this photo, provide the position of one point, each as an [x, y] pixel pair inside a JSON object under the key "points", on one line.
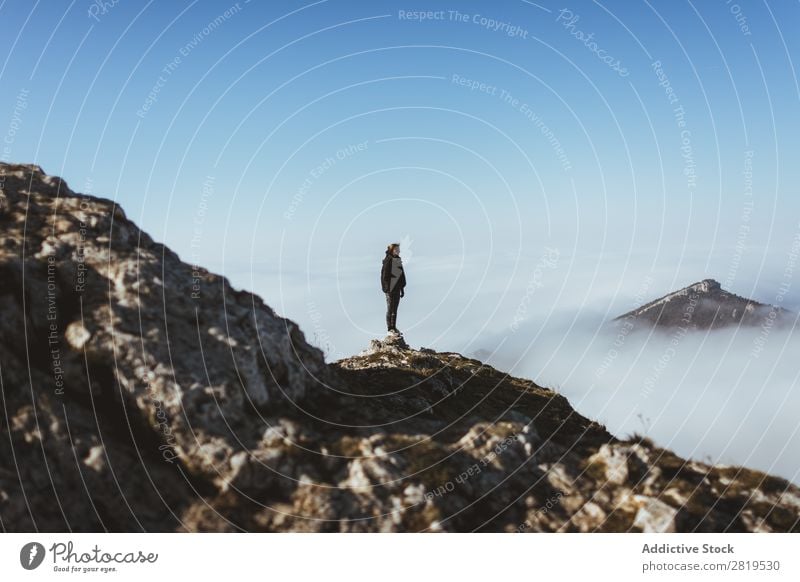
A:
{"points": [[393, 282]]}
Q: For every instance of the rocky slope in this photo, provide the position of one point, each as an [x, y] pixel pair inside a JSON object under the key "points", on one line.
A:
{"points": [[706, 305], [141, 394]]}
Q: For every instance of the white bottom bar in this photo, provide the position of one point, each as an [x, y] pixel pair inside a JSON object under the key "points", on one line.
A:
{"points": [[390, 557]]}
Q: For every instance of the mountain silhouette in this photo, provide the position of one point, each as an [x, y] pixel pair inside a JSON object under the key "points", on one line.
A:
{"points": [[705, 305]]}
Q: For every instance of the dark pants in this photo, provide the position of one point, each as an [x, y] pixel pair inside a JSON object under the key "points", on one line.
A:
{"points": [[392, 301]]}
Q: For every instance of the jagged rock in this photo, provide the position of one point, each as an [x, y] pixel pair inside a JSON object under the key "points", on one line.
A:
{"points": [[609, 464], [392, 341], [120, 329], [141, 393], [654, 516], [589, 517]]}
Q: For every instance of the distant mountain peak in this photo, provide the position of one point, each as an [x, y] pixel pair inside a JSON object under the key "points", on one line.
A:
{"points": [[704, 305]]}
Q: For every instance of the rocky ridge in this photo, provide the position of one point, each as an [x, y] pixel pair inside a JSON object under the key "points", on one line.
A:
{"points": [[142, 395]]}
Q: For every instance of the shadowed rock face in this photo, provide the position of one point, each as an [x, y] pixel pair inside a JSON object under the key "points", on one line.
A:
{"points": [[705, 305], [140, 394]]}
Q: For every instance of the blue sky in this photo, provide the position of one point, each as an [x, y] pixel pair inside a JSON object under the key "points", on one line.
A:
{"points": [[474, 143], [545, 167], [481, 144]]}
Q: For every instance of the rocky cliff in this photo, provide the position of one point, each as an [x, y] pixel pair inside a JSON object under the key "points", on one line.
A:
{"points": [[140, 393]]}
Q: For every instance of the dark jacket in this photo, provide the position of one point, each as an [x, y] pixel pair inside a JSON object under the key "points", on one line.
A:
{"points": [[386, 275]]}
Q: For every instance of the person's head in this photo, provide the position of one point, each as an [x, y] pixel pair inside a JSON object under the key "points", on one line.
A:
{"points": [[394, 249]]}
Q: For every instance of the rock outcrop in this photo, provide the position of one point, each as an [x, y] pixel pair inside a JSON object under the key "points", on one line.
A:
{"points": [[142, 394], [705, 305]]}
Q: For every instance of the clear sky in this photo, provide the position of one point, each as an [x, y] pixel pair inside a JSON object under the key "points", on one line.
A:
{"points": [[545, 167], [286, 143]]}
